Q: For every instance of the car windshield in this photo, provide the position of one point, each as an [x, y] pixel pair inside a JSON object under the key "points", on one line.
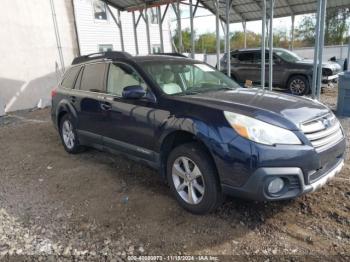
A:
{"points": [[183, 78], [287, 55]]}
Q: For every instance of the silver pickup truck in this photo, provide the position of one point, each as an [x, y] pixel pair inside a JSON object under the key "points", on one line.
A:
{"points": [[289, 71]]}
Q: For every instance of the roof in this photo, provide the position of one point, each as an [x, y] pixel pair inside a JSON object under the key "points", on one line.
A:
{"points": [[250, 10], [130, 5], [241, 10]]}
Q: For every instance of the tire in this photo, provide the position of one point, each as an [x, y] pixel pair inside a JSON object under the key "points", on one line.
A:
{"points": [[69, 135], [205, 188], [298, 85]]}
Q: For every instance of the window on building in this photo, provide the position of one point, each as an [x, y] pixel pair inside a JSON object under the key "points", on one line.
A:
{"points": [[100, 10], [152, 15], [105, 48], [121, 76], [156, 49], [93, 78]]}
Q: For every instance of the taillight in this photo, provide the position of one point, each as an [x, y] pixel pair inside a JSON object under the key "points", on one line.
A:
{"points": [[53, 92]]}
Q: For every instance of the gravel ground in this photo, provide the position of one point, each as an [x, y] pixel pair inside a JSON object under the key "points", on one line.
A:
{"points": [[97, 206]]}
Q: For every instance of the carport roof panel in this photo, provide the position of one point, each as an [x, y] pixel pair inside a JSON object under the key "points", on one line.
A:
{"points": [[250, 10], [242, 10], [127, 5]]}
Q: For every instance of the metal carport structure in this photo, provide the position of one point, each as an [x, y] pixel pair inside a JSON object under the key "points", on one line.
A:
{"points": [[238, 11]]}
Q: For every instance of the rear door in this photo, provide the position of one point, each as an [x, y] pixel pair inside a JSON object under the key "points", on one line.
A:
{"points": [[247, 67], [90, 99]]}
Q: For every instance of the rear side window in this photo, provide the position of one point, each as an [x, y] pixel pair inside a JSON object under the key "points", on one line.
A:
{"points": [[247, 57], [93, 78], [70, 77]]}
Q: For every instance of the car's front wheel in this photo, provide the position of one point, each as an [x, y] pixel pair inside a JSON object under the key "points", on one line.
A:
{"points": [[299, 85], [193, 178]]}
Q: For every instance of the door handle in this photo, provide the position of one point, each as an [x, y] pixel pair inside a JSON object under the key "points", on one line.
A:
{"points": [[73, 98], [106, 106]]}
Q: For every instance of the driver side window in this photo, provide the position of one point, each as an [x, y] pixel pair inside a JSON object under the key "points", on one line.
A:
{"points": [[121, 76]]}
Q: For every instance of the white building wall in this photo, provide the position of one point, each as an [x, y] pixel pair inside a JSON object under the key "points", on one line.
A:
{"points": [[93, 32], [29, 51]]}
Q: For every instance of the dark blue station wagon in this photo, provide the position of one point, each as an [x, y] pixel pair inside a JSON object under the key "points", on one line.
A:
{"points": [[205, 134]]}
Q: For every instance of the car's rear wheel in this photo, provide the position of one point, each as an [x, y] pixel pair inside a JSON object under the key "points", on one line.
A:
{"points": [[193, 179], [69, 135], [299, 85]]}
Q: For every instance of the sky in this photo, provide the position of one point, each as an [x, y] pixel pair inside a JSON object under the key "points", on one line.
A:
{"points": [[205, 22]]}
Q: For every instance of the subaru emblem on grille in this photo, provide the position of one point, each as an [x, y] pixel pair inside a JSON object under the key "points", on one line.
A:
{"points": [[326, 122]]}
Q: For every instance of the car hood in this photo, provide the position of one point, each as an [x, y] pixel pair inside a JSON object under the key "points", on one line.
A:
{"points": [[276, 108], [335, 67]]}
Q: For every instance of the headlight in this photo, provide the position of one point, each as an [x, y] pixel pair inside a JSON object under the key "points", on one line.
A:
{"points": [[259, 131]]}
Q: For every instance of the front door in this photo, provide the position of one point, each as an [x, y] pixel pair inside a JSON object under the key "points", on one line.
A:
{"points": [[128, 123]]}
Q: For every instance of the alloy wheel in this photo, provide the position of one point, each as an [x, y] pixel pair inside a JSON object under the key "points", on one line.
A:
{"points": [[188, 180], [68, 134], [297, 86]]}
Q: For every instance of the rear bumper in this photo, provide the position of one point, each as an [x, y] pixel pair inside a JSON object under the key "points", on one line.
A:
{"points": [[295, 184]]}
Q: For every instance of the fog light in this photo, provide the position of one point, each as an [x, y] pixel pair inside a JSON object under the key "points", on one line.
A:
{"points": [[275, 185]]}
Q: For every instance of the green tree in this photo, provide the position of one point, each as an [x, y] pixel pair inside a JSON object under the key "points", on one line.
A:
{"points": [[335, 31], [206, 43], [186, 40]]}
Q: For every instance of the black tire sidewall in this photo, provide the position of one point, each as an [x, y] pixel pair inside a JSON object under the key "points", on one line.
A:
{"points": [[212, 194], [76, 148], [302, 78]]}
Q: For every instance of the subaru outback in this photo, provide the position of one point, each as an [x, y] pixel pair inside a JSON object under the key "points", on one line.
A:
{"points": [[207, 136]]}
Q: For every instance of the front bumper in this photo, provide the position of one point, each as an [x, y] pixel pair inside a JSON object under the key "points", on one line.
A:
{"points": [[295, 184]]}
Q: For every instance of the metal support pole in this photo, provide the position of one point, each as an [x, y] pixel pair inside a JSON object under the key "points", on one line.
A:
{"points": [[348, 57], [57, 34], [192, 31], [228, 59], [321, 44], [160, 23], [147, 32], [179, 29], [263, 42], [218, 36], [272, 4], [119, 24], [135, 33], [292, 33], [316, 51], [120, 31], [244, 24]]}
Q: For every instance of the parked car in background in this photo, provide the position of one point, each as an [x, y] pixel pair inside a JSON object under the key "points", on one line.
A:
{"points": [[290, 71], [206, 135]]}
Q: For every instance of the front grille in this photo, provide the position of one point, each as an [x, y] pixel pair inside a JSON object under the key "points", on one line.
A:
{"points": [[323, 132], [327, 72], [315, 175]]}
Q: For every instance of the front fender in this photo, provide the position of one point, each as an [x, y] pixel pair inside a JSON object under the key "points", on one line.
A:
{"points": [[210, 136]]}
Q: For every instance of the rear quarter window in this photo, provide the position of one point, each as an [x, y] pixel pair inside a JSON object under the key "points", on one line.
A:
{"points": [[70, 77], [93, 78]]}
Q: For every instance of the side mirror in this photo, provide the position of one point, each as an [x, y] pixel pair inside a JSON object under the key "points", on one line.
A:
{"points": [[133, 92]]}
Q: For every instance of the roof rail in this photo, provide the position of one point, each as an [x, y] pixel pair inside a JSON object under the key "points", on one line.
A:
{"points": [[102, 55], [171, 54]]}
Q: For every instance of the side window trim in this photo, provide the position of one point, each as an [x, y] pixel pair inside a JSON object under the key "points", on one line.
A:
{"points": [[79, 77]]}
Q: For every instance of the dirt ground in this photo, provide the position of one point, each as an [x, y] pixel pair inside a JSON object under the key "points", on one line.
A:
{"points": [[97, 206]]}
